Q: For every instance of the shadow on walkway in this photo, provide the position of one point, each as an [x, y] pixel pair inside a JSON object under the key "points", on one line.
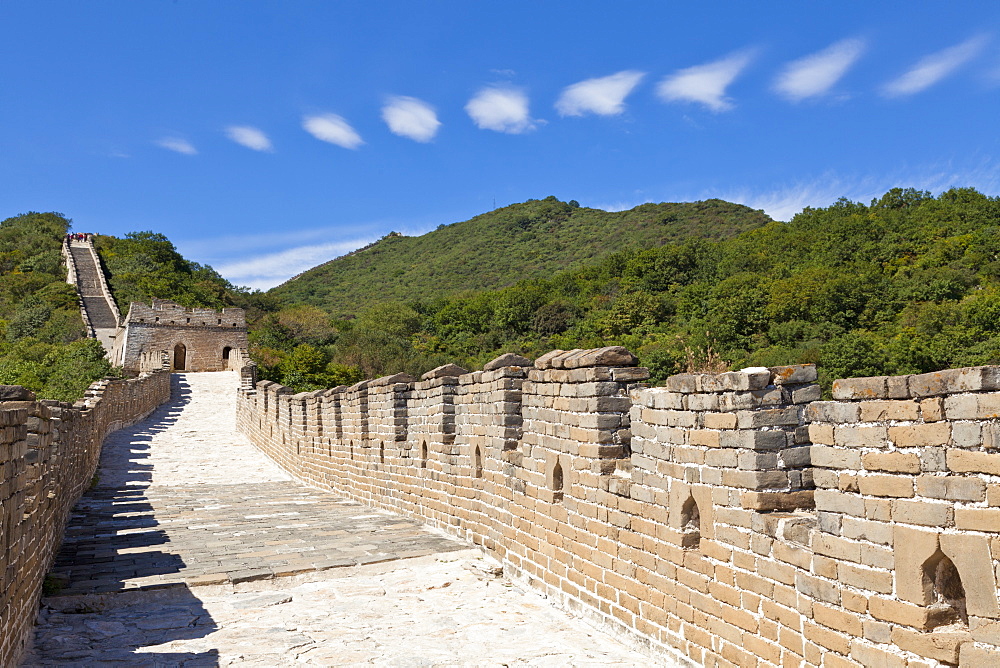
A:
{"points": [[106, 543]]}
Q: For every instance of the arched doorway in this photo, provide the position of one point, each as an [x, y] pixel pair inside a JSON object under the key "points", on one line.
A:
{"points": [[225, 357], [180, 355]]}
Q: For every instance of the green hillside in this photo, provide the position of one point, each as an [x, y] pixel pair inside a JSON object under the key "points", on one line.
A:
{"points": [[909, 283], [499, 248], [41, 331]]}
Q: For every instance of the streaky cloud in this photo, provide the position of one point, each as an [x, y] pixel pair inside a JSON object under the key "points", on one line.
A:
{"points": [[783, 202], [705, 84], [332, 129], [816, 74], [411, 118], [177, 145], [501, 109], [268, 270], [932, 68], [250, 137], [604, 96]]}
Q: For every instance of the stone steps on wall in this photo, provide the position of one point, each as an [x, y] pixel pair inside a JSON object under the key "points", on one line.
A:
{"points": [[88, 282]]}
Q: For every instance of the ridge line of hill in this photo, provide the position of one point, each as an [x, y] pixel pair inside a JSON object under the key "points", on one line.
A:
{"points": [[495, 249]]}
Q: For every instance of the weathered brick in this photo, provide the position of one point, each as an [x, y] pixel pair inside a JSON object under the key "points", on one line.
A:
{"points": [[886, 485], [788, 375], [963, 461], [833, 411], [860, 388], [926, 513], [860, 436], [869, 655], [940, 645], [936, 433], [835, 458], [878, 411], [978, 519], [971, 656], [951, 487], [720, 421], [894, 462]]}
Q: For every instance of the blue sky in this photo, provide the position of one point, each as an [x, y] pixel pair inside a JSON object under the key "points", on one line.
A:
{"points": [[266, 137]]}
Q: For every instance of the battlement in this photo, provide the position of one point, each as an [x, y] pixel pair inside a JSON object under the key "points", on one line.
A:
{"points": [[727, 519], [168, 314]]}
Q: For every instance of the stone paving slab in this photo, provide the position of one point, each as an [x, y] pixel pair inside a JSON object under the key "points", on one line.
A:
{"points": [[440, 610], [121, 539]]}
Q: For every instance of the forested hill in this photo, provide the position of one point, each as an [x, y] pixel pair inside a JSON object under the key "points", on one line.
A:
{"points": [[42, 344], [496, 249], [42, 336], [909, 283]]}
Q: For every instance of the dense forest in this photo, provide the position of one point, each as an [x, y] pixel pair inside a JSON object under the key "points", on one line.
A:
{"points": [[42, 344], [905, 284], [496, 249], [908, 283]]}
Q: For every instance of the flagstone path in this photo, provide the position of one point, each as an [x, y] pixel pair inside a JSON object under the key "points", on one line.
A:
{"points": [[194, 549]]}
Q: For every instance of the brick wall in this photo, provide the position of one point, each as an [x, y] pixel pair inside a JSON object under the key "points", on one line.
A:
{"points": [[49, 452], [729, 519]]}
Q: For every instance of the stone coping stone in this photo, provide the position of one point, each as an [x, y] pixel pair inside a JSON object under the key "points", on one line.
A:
{"points": [[507, 359], [917, 386], [443, 371], [610, 356]]}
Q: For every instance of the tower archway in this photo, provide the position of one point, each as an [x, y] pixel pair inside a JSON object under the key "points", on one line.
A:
{"points": [[180, 357]]}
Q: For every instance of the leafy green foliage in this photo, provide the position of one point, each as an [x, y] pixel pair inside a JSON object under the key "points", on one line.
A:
{"points": [[35, 300], [145, 265], [54, 371]]}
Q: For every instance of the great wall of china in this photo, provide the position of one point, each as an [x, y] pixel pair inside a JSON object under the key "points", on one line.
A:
{"points": [[726, 519], [731, 519]]}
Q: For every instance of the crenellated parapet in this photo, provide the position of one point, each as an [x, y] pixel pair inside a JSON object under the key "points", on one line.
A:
{"points": [[722, 519]]}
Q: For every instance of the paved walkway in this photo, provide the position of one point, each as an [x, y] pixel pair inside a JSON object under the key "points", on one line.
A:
{"points": [[196, 550]]}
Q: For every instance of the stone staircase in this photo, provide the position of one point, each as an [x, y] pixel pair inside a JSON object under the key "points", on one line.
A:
{"points": [[100, 312]]}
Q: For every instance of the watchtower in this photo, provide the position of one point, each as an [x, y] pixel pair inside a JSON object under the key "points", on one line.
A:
{"points": [[193, 339]]}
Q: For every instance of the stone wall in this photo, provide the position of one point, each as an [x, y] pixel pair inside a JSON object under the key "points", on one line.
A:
{"points": [[49, 452], [194, 339], [724, 520]]}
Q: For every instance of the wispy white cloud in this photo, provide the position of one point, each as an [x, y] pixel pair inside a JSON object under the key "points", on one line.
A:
{"points": [[783, 202], [502, 109], [177, 145], [817, 73], [333, 129], [411, 118], [604, 96], [933, 68], [270, 269], [705, 84], [249, 136]]}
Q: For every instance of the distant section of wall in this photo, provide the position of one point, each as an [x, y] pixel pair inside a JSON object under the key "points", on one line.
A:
{"points": [[97, 306], [48, 454], [725, 520], [193, 339]]}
